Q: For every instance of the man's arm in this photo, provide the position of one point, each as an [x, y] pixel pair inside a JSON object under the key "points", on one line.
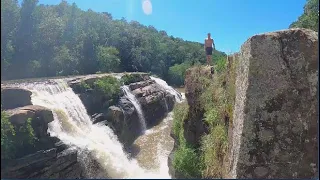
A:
{"points": [[214, 47]]}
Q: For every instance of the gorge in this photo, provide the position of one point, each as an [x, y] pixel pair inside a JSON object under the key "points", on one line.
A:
{"points": [[95, 144], [255, 117]]}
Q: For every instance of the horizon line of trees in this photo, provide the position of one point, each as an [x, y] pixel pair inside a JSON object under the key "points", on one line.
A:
{"points": [[59, 40]]}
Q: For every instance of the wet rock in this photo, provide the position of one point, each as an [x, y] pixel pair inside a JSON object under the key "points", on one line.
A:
{"points": [[15, 97], [44, 164], [98, 117], [125, 125], [275, 117]]}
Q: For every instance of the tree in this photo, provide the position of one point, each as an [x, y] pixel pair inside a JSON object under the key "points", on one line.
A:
{"points": [[50, 40], [108, 58], [310, 17]]}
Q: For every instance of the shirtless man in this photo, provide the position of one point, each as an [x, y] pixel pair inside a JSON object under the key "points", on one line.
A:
{"points": [[208, 42]]}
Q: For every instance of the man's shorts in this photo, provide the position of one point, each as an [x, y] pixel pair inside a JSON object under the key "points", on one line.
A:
{"points": [[208, 50]]}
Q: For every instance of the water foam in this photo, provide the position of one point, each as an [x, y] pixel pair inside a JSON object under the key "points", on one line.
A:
{"points": [[73, 126]]}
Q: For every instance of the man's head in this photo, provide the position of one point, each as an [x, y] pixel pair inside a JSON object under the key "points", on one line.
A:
{"points": [[209, 35]]}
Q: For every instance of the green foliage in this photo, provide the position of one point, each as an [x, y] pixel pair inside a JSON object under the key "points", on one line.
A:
{"points": [[177, 74], [218, 102], [310, 18], [221, 65], [42, 41], [214, 148], [187, 162], [108, 87], [7, 134], [84, 86], [108, 58], [15, 139], [131, 78], [180, 113]]}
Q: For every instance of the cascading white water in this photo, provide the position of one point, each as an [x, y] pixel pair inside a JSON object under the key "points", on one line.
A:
{"points": [[72, 125], [131, 97], [168, 88]]}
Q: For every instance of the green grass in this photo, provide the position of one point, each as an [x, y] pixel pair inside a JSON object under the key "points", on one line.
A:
{"points": [[217, 100], [186, 160]]}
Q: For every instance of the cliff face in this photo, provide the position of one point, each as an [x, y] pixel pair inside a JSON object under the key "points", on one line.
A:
{"points": [[275, 115], [50, 158], [194, 125], [272, 130]]}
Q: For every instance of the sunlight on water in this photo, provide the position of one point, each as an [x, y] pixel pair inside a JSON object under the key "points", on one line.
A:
{"points": [[73, 126]]}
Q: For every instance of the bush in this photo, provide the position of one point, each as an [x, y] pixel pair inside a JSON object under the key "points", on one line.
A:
{"points": [[16, 141], [110, 88], [7, 134], [177, 73], [186, 162], [131, 78]]}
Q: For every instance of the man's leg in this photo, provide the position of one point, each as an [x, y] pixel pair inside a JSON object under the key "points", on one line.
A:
{"points": [[207, 59], [211, 64]]}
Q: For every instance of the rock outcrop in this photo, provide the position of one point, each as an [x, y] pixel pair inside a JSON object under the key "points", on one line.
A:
{"points": [[194, 125], [15, 97], [40, 117], [47, 157], [45, 164], [122, 117], [275, 119], [155, 101]]}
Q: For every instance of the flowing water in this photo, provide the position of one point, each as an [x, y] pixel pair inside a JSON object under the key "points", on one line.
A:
{"points": [[168, 88], [73, 126], [136, 105]]}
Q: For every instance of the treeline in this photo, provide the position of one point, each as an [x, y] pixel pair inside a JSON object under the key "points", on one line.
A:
{"points": [[310, 17], [58, 40]]}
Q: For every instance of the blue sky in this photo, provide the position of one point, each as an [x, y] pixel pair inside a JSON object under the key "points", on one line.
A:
{"points": [[231, 22]]}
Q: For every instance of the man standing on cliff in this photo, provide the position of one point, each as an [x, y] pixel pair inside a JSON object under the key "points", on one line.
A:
{"points": [[208, 43]]}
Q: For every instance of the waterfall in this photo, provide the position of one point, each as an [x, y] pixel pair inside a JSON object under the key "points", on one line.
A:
{"points": [[136, 105], [168, 88], [73, 126]]}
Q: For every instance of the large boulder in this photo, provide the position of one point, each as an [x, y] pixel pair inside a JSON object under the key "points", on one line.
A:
{"points": [[125, 124], [40, 117], [154, 100], [15, 97], [275, 132], [44, 164]]}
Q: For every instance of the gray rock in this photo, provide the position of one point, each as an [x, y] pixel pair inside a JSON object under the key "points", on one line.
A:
{"points": [[275, 116], [126, 126], [44, 164], [15, 97], [40, 116]]}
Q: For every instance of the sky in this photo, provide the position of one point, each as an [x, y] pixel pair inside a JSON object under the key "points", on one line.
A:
{"points": [[230, 22]]}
